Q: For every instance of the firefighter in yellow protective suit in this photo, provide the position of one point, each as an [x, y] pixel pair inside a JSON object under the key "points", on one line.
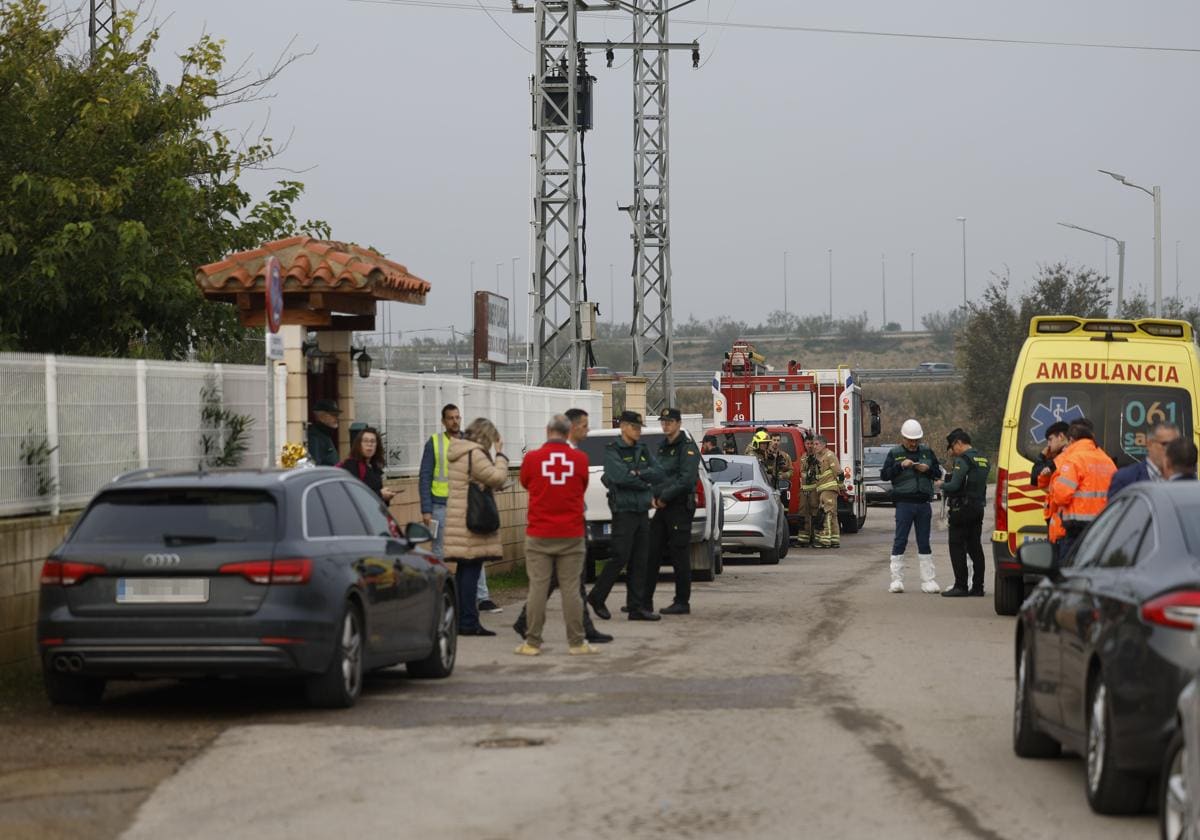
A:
{"points": [[819, 485]]}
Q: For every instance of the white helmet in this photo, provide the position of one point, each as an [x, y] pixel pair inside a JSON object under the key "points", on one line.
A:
{"points": [[912, 430]]}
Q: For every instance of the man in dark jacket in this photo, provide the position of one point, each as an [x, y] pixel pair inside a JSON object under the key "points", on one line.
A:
{"points": [[1150, 468], [630, 473], [674, 506], [322, 433], [966, 494], [1180, 463], [912, 468]]}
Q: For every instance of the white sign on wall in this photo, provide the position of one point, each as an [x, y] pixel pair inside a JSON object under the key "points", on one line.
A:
{"points": [[274, 346]]}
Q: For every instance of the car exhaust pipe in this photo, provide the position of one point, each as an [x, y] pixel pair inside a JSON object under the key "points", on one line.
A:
{"points": [[74, 663], [61, 664]]}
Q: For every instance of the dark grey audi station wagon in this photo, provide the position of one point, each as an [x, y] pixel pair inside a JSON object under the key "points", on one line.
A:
{"points": [[299, 573]]}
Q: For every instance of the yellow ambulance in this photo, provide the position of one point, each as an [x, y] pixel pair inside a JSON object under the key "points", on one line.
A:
{"points": [[1124, 376]]}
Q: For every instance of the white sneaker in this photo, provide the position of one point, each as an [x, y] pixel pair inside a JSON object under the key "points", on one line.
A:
{"points": [[897, 586]]}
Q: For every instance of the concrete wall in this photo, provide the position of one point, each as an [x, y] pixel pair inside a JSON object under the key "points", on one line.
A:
{"points": [[26, 542]]}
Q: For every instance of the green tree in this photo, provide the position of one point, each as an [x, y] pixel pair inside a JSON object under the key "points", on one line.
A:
{"points": [[996, 328], [114, 187], [945, 326]]}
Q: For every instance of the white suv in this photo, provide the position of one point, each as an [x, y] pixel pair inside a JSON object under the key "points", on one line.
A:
{"points": [[706, 524]]}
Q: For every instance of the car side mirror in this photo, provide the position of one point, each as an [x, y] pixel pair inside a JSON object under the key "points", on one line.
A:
{"points": [[716, 464], [417, 533], [1038, 557], [783, 484], [876, 419]]}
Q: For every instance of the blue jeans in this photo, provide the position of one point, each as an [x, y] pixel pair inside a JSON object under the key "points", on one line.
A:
{"points": [[909, 514], [439, 516], [466, 576]]}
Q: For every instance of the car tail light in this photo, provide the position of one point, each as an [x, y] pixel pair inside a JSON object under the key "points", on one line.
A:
{"points": [[1175, 609], [1001, 499], [65, 573], [700, 500], [291, 570], [752, 494]]}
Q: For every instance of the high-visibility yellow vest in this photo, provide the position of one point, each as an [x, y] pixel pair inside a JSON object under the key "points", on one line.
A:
{"points": [[440, 486]]}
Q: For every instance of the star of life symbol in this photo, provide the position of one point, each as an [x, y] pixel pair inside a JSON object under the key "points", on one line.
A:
{"points": [[558, 468], [1045, 416]]}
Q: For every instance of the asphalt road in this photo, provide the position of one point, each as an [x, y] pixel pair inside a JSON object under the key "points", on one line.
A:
{"points": [[799, 700]]}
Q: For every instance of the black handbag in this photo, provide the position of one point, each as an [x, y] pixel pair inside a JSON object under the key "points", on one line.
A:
{"points": [[483, 517]]}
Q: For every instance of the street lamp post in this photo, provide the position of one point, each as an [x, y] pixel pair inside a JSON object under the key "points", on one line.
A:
{"points": [[831, 285], [912, 288], [1177, 270], [1156, 194], [963, 219], [1120, 260], [785, 307], [883, 286], [512, 307]]}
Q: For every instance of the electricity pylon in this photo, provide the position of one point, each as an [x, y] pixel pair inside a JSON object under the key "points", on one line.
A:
{"points": [[563, 318], [102, 17]]}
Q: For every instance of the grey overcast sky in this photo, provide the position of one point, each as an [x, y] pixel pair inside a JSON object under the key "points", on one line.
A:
{"points": [[416, 123]]}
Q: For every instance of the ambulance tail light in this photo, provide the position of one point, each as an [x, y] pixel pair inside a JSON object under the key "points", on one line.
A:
{"points": [[1001, 499], [1056, 325], [700, 499], [1162, 330], [1109, 327]]}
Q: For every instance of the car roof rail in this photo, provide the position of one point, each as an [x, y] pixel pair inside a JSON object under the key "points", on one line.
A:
{"points": [[137, 475]]}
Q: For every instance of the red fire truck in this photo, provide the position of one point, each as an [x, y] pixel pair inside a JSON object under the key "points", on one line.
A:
{"points": [[747, 394]]}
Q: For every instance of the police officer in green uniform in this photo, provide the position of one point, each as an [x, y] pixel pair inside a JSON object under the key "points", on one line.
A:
{"points": [[674, 506], [966, 494], [630, 474]]}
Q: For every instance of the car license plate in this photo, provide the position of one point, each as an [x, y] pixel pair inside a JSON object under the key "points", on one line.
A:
{"points": [[162, 590]]}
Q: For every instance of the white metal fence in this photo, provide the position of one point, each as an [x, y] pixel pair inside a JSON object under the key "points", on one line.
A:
{"points": [[407, 407], [69, 424]]}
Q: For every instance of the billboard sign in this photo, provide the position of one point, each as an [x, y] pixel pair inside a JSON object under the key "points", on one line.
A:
{"points": [[491, 328]]}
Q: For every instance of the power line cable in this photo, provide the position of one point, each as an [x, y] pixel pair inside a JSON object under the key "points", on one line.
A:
{"points": [[826, 30], [507, 34], [717, 43]]}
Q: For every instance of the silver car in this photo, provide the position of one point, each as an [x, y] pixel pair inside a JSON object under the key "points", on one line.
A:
{"points": [[1179, 785], [755, 519]]}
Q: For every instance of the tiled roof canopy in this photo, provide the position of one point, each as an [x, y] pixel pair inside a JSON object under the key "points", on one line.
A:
{"points": [[319, 279]]}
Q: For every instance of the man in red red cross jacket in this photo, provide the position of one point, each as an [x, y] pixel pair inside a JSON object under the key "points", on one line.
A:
{"points": [[555, 476]]}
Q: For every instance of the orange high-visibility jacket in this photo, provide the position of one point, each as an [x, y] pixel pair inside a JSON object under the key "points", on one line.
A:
{"points": [[1079, 486]]}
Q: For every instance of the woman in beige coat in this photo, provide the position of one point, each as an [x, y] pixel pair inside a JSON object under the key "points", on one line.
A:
{"points": [[471, 461]]}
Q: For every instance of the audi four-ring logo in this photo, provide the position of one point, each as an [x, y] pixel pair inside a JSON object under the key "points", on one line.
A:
{"points": [[161, 561]]}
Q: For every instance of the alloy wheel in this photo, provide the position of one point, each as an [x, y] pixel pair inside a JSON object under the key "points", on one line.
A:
{"points": [[448, 633], [351, 653], [1097, 741]]}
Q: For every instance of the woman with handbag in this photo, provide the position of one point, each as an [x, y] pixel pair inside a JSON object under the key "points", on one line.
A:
{"points": [[472, 521]]}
